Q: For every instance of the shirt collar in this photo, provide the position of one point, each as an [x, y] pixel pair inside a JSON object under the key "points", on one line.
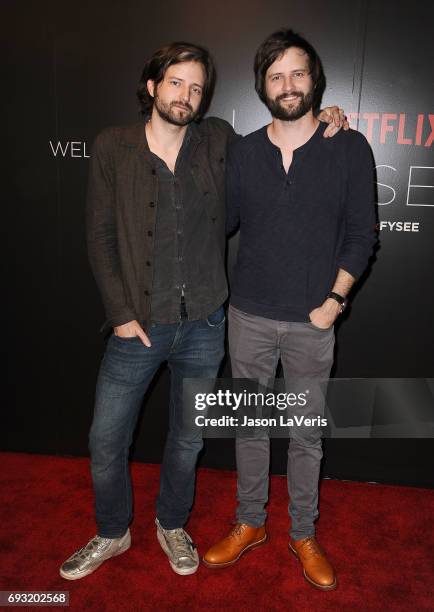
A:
{"points": [[316, 136]]}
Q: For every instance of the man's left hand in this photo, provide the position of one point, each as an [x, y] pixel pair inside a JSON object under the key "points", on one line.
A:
{"points": [[335, 117], [324, 316]]}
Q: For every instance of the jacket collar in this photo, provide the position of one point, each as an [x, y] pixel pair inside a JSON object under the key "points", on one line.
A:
{"points": [[196, 131], [134, 135]]}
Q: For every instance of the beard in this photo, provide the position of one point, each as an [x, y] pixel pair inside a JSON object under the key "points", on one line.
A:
{"points": [[170, 112], [293, 112]]}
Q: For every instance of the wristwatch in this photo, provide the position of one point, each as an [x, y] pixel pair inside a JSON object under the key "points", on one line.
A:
{"points": [[340, 300]]}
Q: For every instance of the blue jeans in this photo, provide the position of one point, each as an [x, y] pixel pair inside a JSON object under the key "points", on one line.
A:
{"points": [[193, 349]]}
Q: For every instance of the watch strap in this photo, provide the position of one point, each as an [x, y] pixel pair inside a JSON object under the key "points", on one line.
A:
{"points": [[339, 299]]}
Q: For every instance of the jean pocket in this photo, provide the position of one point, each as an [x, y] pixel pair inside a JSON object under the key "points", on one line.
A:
{"points": [[320, 329], [125, 338], [216, 318]]}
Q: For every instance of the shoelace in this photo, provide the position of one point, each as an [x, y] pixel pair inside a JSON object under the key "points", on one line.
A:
{"points": [[182, 545], [91, 546], [312, 547], [237, 530]]}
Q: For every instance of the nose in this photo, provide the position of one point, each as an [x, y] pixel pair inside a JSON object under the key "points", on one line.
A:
{"points": [[288, 82], [185, 93]]}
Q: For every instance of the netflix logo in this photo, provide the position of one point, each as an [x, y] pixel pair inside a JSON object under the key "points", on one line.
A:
{"points": [[395, 128]]}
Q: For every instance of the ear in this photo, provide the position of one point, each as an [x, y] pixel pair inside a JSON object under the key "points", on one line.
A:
{"points": [[150, 84]]}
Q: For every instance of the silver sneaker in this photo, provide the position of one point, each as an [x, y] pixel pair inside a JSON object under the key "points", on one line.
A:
{"points": [[179, 547], [90, 557]]}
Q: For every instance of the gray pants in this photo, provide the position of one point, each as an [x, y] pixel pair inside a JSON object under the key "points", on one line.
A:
{"points": [[306, 352]]}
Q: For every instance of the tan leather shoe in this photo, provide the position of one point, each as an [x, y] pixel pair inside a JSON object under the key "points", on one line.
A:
{"points": [[241, 539], [317, 569]]}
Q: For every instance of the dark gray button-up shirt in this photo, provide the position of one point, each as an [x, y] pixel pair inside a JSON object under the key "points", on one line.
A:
{"points": [[180, 227]]}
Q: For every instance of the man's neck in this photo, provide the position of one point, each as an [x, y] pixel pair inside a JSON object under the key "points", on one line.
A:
{"points": [[292, 134], [162, 135]]}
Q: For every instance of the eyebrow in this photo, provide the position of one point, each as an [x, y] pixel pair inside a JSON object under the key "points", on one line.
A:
{"points": [[295, 70], [183, 80]]}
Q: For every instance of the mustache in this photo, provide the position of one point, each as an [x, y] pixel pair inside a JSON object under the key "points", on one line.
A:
{"points": [[182, 105]]}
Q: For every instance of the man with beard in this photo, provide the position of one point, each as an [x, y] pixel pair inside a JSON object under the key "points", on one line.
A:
{"points": [[305, 206], [156, 241]]}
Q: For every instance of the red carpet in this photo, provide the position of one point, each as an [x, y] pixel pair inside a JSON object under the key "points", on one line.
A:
{"points": [[380, 539]]}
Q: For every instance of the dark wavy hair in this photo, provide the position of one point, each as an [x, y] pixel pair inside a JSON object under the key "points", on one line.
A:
{"points": [[175, 53], [274, 46]]}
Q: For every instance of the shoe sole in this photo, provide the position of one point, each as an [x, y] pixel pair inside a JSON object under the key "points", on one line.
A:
{"points": [[228, 563], [181, 572], [95, 567], [330, 587]]}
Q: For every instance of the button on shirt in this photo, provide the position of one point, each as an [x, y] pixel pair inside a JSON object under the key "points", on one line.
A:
{"points": [[180, 224]]}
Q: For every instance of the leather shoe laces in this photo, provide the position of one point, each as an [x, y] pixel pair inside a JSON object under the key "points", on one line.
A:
{"points": [[311, 547], [237, 530]]}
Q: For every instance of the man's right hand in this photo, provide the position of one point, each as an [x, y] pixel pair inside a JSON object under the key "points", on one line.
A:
{"points": [[131, 330]]}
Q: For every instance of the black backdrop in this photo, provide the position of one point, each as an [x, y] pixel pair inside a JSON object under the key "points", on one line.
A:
{"points": [[72, 69]]}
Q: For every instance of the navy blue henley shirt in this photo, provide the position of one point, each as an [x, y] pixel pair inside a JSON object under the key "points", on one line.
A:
{"points": [[298, 228]]}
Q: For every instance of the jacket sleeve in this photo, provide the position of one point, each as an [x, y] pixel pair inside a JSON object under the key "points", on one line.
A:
{"points": [[360, 217], [101, 232]]}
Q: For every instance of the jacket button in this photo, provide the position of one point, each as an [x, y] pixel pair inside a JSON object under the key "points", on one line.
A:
{"points": [[148, 263], [221, 160], [205, 192], [153, 171], [213, 219], [149, 233], [146, 292], [151, 204]]}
